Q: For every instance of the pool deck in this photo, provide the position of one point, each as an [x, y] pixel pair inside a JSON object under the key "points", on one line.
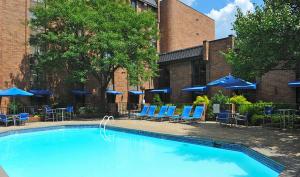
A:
{"points": [[282, 146]]}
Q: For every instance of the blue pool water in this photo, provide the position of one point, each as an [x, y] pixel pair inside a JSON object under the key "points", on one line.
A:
{"points": [[84, 152]]}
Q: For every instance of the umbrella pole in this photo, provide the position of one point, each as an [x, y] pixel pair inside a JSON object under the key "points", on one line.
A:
{"points": [[14, 101]]}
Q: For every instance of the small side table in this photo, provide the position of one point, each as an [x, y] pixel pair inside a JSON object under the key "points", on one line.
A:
{"points": [[61, 110]]}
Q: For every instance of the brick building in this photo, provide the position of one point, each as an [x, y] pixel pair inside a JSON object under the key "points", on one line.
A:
{"points": [[13, 42], [190, 55], [199, 65]]}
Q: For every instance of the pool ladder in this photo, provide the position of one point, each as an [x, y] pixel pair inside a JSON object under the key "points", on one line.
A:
{"points": [[105, 120], [103, 124]]}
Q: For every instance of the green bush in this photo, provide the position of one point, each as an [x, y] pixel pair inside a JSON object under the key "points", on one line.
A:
{"points": [[220, 98], [178, 110], [254, 108], [202, 100], [157, 100], [239, 100], [87, 110], [257, 119], [14, 107], [243, 105]]}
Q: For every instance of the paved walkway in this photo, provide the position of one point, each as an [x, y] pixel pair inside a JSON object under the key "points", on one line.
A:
{"points": [[282, 146]]}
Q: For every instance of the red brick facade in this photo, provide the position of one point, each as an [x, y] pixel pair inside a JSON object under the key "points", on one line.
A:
{"points": [[183, 27], [13, 42], [217, 67], [180, 27], [273, 86]]}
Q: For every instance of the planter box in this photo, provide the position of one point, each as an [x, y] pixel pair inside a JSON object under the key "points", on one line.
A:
{"points": [[35, 119]]}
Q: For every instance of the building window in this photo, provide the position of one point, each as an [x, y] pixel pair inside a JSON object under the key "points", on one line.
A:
{"points": [[198, 72], [134, 4]]}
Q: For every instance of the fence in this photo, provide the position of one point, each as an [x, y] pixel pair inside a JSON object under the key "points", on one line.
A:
{"points": [[256, 111]]}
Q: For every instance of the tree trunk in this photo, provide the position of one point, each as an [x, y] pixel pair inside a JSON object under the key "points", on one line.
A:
{"points": [[103, 100]]}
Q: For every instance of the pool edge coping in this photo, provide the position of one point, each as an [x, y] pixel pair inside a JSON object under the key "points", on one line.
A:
{"points": [[227, 145]]}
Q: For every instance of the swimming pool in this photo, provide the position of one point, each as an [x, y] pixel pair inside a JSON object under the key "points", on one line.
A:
{"points": [[87, 152]]}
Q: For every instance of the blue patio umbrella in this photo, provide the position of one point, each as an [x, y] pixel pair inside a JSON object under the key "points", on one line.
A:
{"points": [[164, 90], [14, 92], [195, 89], [113, 92], [136, 92], [229, 81], [40, 93], [294, 84], [247, 87], [80, 92]]}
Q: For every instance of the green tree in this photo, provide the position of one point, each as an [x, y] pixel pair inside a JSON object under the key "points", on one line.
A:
{"points": [[267, 39], [87, 38]]}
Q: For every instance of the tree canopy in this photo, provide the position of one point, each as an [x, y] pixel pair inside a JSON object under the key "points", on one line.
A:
{"points": [[266, 39], [94, 38]]}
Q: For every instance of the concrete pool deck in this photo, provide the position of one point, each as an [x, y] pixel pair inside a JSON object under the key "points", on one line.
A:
{"points": [[281, 146]]}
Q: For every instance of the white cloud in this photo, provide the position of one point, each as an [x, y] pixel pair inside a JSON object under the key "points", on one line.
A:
{"points": [[188, 2], [225, 17]]}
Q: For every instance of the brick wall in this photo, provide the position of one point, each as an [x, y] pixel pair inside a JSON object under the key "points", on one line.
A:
{"points": [[183, 27], [13, 42], [180, 77], [274, 87], [217, 67]]}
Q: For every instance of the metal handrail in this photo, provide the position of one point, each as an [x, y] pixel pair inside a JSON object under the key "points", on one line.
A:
{"points": [[103, 124], [103, 119], [110, 117]]}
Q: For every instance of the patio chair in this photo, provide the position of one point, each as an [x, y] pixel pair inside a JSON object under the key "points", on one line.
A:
{"points": [[198, 113], [224, 117], [23, 117], [185, 114], [6, 120], [50, 114], [70, 112], [162, 113], [268, 110], [241, 118], [151, 111], [144, 112]]}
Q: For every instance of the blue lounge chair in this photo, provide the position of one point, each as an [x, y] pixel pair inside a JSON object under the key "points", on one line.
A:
{"points": [[144, 111], [151, 111], [185, 113], [162, 113], [6, 120], [170, 112], [198, 113], [23, 117]]}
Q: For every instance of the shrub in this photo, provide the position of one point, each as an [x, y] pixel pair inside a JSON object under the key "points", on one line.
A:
{"points": [[202, 100], [220, 98], [257, 119], [14, 107], [244, 106], [157, 100], [239, 100], [87, 110]]}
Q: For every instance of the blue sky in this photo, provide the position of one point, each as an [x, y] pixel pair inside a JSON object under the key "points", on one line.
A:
{"points": [[223, 12]]}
